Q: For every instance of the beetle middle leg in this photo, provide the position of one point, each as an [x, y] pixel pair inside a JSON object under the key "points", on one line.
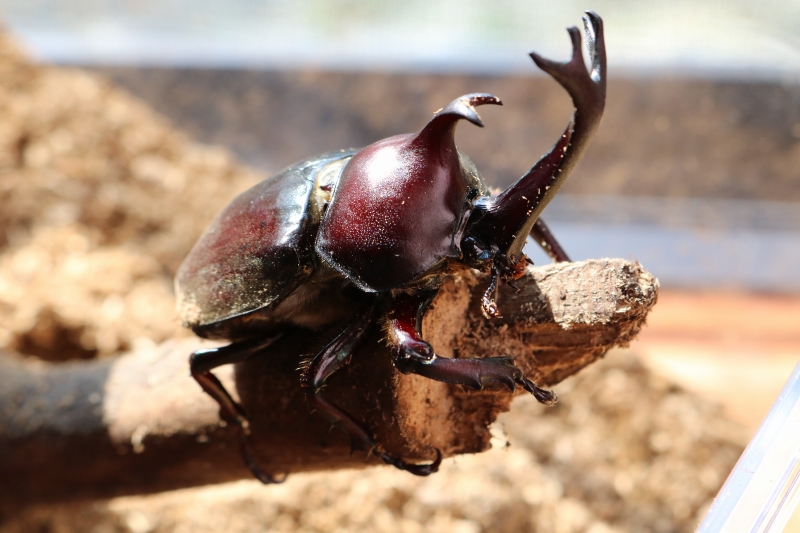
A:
{"points": [[542, 235], [414, 355], [334, 356]]}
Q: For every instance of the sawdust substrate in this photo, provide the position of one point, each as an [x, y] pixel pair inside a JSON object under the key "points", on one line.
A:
{"points": [[100, 201]]}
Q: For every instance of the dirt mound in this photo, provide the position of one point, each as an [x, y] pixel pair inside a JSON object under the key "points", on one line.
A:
{"points": [[100, 199]]}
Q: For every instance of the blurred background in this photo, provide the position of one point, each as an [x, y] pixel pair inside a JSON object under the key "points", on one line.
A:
{"points": [[695, 170]]}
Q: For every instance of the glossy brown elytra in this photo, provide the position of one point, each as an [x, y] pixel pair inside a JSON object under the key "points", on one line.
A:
{"points": [[365, 237]]}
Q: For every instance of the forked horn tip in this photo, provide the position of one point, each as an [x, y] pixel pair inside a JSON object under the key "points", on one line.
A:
{"points": [[464, 107], [590, 17]]}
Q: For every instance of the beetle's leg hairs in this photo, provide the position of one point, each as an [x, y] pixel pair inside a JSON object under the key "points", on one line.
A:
{"points": [[202, 362], [337, 354], [414, 355]]}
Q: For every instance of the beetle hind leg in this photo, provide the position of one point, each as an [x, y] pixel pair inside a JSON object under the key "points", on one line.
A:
{"points": [[412, 355], [333, 357], [201, 363]]}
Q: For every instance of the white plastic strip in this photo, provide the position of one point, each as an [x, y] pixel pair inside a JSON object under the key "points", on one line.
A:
{"points": [[763, 489]]}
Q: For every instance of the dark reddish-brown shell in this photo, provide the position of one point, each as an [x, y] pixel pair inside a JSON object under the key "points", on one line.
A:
{"points": [[401, 204], [258, 249]]}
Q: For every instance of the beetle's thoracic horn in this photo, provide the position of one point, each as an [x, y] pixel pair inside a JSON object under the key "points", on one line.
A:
{"points": [[461, 107]]}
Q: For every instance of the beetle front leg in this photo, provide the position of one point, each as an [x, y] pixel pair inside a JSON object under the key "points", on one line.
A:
{"points": [[414, 355], [333, 357], [476, 373]]}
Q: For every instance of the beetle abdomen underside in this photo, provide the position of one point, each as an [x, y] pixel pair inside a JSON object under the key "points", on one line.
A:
{"points": [[257, 250]]}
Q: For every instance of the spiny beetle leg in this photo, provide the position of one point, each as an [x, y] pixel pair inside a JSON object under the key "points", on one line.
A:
{"points": [[202, 362], [334, 356], [211, 358], [229, 410], [360, 438], [414, 355], [337, 353], [476, 373]]}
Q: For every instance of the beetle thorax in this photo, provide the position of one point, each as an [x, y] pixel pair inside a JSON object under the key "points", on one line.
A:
{"points": [[397, 213]]}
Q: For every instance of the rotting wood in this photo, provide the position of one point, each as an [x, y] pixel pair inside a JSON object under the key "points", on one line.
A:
{"points": [[139, 424]]}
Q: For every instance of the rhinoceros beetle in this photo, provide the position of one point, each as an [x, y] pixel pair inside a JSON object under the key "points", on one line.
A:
{"points": [[361, 237]]}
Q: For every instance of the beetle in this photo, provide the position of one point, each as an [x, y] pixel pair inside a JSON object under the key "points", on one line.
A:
{"points": [[365, 237]]}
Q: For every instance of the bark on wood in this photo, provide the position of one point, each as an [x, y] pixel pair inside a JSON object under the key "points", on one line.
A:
{"points": [[139, 424]]}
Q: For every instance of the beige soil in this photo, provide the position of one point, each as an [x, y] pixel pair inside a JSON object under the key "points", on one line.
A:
{"points": [[735, 348], [101, 199]]}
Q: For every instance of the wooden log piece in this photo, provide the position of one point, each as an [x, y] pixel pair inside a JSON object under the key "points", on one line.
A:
{"points": [[139, 424]]}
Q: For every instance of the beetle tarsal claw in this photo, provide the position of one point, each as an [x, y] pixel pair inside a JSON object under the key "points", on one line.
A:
{"points": [[417, 470], [543, 396], [252, 464]]}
